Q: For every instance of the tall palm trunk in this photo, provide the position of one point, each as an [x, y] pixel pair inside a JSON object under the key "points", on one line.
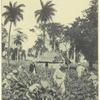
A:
{"points": [[9, 43], [17, 53], [74, 54], [53, 44], [44, 35], [44, 32], [67, 52]]}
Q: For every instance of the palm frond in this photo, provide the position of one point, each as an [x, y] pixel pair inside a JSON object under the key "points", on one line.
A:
{"points": [[45, 14], [48, 3], [14, 5], [6, 20], [7, 7], [41, 2], [51, 5], [21, 16], [52, 9], [10, 4], [14, 22], [39, 19], [17, 18], [52, 13], [13, 13], [20, 10], [37, 13], [5, 14], [21, 5]]}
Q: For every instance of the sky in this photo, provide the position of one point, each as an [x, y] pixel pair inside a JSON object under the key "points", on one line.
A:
{"points": [[67, 11]]}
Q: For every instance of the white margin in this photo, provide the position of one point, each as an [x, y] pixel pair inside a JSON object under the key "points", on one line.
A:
{"points": [[98, 52], [0, 56]]}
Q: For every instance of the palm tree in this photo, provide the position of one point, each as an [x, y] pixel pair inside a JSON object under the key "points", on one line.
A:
{"points": [[4, 33], [44, 15], [39, 46], [12, 14], [30, 52], [4, 37], [74, 34], [23, 55], [19, 39], [54, 31]]}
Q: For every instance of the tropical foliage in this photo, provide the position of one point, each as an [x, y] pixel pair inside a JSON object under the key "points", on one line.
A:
{"points": [[20, 37], [75, 45], [39, 46], [4, 37], [44, 15], [55, 31], [12, 14], [18, 40]]}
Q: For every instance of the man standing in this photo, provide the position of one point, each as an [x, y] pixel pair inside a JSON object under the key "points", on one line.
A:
{"points": [[59, 78], [82, 65], [32, 68]]}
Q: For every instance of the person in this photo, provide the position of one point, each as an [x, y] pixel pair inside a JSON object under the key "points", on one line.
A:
{"points": [[32, 68], [20, 68], [80, 69], [94, 79], [32, 89], [59, 78], [71, 71], [44, 84], [82, 65]]}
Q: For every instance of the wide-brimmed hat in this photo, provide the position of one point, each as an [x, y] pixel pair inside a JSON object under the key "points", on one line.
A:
{"points": [[8, 77], [72, 66], [63, 67], [15, 71]]}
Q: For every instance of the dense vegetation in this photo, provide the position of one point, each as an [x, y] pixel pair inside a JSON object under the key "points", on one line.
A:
{"points": [[68, 42]]}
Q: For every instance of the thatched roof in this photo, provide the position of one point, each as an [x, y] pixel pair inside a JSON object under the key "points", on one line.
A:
{"points": [[50, 56]]}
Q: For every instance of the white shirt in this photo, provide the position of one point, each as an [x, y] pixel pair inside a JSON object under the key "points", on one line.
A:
{"points": [[59, 77]]}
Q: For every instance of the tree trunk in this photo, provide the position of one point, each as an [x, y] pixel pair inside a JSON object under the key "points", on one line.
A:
{"points": [[43, 29], [90, 65], [17, 54], [74, 54], [9, 43], [67, 52], [53, 42], [36, 53], [44, 35]]}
